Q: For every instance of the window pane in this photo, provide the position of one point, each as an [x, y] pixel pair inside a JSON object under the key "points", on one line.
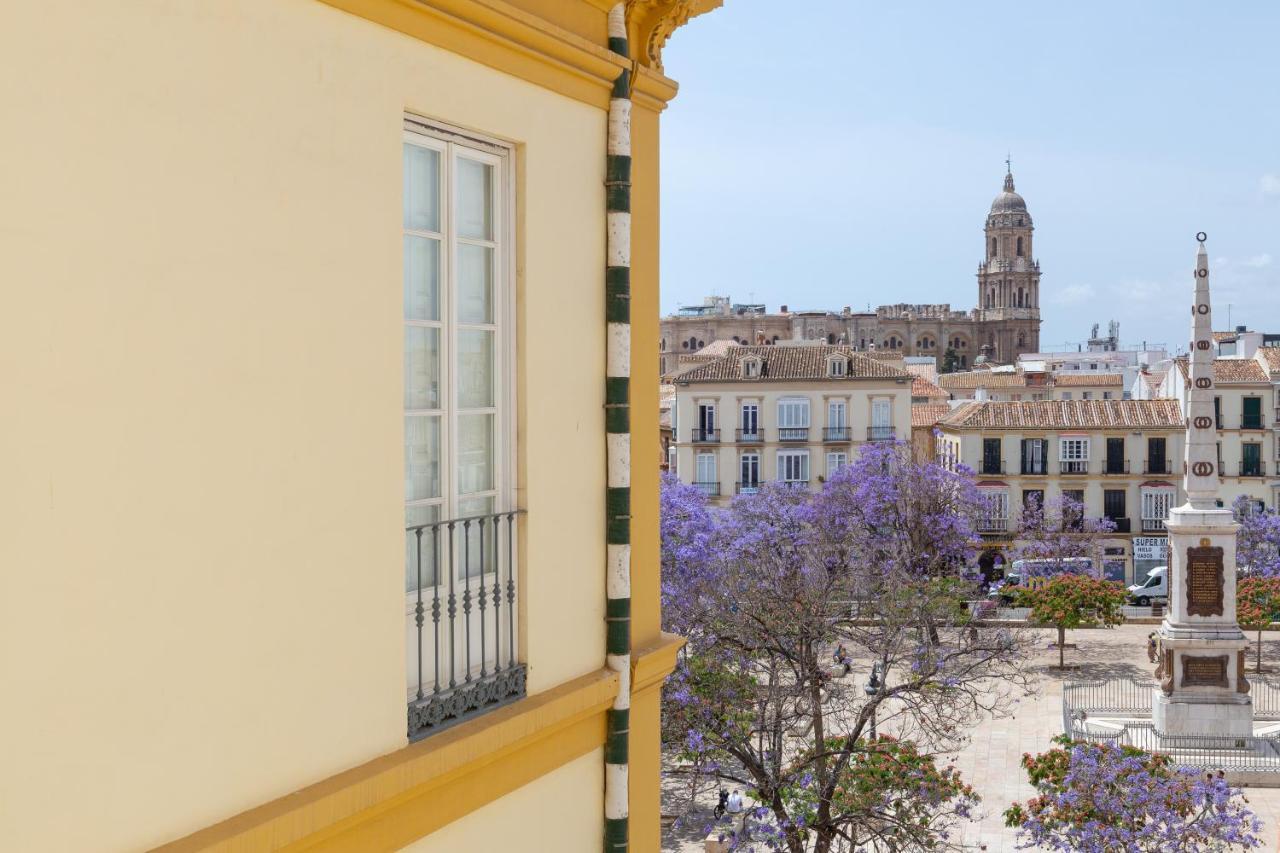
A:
{"points": [[421, 457], [477, 542], [421, 188], [415, 515], [475, 199], [475, 453], [475, 284], [421, 368], [421, 278], [475, 369]]}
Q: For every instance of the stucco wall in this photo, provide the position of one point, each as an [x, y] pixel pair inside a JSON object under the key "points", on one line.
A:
{"points": [[202, 452], [547, 815]]}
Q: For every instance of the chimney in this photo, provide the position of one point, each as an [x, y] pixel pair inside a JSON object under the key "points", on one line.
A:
{"points": [[783, 310]]}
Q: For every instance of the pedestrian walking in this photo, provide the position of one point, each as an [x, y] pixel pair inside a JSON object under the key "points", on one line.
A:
{"points": [[1153, 653]]}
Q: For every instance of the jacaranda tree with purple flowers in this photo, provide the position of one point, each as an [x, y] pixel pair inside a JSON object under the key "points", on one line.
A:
{"points": [[1258, 540], [874, 564], [1103, 798], [1056, 536]]}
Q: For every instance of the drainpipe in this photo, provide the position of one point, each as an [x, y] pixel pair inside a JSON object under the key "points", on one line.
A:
{"points": [[618, 439]]}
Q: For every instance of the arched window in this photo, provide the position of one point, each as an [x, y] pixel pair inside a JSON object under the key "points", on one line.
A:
{"points": [[831, 338], [735, 340], [1019, 247], [693, 343], [991, 299], [1022, 340], [993, 247], [1019, 297]]}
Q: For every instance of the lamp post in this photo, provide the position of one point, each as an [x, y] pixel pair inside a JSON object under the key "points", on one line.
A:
{"points": [[872, 689]]}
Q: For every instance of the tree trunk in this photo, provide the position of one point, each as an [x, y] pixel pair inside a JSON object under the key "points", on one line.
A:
{"points": [[1062, 642]]}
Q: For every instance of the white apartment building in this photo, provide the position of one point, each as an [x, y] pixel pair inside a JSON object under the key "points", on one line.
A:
{"points": [[793, 414], [1122, 459], [1005, 384], [1246, 404]]}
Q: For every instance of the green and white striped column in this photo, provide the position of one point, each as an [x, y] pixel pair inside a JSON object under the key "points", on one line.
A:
{"points": [[618, 429]]}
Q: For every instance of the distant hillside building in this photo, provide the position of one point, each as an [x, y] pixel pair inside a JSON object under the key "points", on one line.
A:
{"points": [[1006, 319]]}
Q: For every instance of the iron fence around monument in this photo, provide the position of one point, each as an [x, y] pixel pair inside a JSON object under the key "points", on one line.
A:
{"points": [[1133, 697]]}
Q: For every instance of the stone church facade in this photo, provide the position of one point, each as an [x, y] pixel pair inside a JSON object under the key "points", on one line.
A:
{"points": [[1005, 323]]}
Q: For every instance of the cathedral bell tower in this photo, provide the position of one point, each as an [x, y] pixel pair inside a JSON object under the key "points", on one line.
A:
{"points": [[1009, 279]]}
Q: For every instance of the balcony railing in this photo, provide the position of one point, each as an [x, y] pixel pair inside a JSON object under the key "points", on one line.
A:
{"points": [[794, 484], [462, 620], [1076, 466], [837, 434], [881, 433], [1152, 525], [711, 490], [1253, 469], [991, 467], [793, 433], [1248, 422], [1158, 466], [705, 436], [1115, 467], [1122, 525], [751, 436], [1034, 469], [748, 488], [993, 525]]}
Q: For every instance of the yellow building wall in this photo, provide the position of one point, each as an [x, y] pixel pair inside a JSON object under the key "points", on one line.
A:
{"points": [[203, 464], [550, 814]]}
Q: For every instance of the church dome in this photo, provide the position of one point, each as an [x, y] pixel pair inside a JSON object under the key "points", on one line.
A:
{"points": [[1008, 201]]}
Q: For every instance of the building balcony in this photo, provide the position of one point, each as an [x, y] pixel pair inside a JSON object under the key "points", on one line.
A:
{"points": [[993, 525], [837, 435], [1160, 467], [1153, 525], [881, 433], [1251, 423], [1076, 467], [462, 620], [711, 490], [1253, 469], [705, 436], [794, 484], [751, 436], [1035, 470], [992, 468], [1115, 467], [747, 488], [797, 434], [1123, 525]]}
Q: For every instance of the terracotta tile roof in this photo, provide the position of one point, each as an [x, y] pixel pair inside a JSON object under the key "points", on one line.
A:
{"points": [[928, 414], [921, 387], [1270, 356], [884, 355], [1230, 371], [928, 371], [982, 379], [793, 362], [1154, 380], [1069, 380], [1067, 414]]}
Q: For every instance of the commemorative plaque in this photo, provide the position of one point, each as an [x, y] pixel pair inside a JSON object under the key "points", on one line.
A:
{"points": [[1204, 671], [1204, 581]]}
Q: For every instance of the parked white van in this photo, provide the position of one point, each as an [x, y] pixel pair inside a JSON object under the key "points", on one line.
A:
{"points": [[1156, 588]]}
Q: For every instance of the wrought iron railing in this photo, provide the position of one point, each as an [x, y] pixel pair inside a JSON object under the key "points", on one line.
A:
{"points": [[708, 488], [882, 433], [462, 620]]}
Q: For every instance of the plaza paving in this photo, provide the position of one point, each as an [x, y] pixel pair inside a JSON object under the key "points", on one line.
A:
{"points": [[991, 759]]}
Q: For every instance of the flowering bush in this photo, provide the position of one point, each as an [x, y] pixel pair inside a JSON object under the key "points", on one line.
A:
{"points": [[1068, 601], [1258, 540], [1257, 605], [1102, 798]]}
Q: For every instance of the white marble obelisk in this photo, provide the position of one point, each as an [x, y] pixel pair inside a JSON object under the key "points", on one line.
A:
{"points": [[1202, 689]]}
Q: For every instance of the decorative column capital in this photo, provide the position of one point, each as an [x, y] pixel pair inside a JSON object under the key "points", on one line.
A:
{"points": [[651, 22]]}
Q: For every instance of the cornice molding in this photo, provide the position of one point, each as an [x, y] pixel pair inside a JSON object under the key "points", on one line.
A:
{"points": [[516, 42], [651, 23]]}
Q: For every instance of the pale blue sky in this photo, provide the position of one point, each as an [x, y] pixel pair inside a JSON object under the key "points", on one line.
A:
{"points": [[845, 152]]}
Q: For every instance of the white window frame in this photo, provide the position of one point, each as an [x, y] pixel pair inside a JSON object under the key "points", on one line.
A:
{"points": [[838, 413], [705, 469], [753, 405], [836, 367], [749, 485], [995, 509], [1155, 503], [451, 145], [797, 409], [835, 461], [1073, 448], [783, 461]]}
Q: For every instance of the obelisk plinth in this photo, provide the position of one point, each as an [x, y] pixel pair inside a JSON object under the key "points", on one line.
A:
{"points": [[1202, 689]]}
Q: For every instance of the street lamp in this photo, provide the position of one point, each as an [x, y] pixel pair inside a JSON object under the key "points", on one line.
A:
{"points": [[872, 689]]}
